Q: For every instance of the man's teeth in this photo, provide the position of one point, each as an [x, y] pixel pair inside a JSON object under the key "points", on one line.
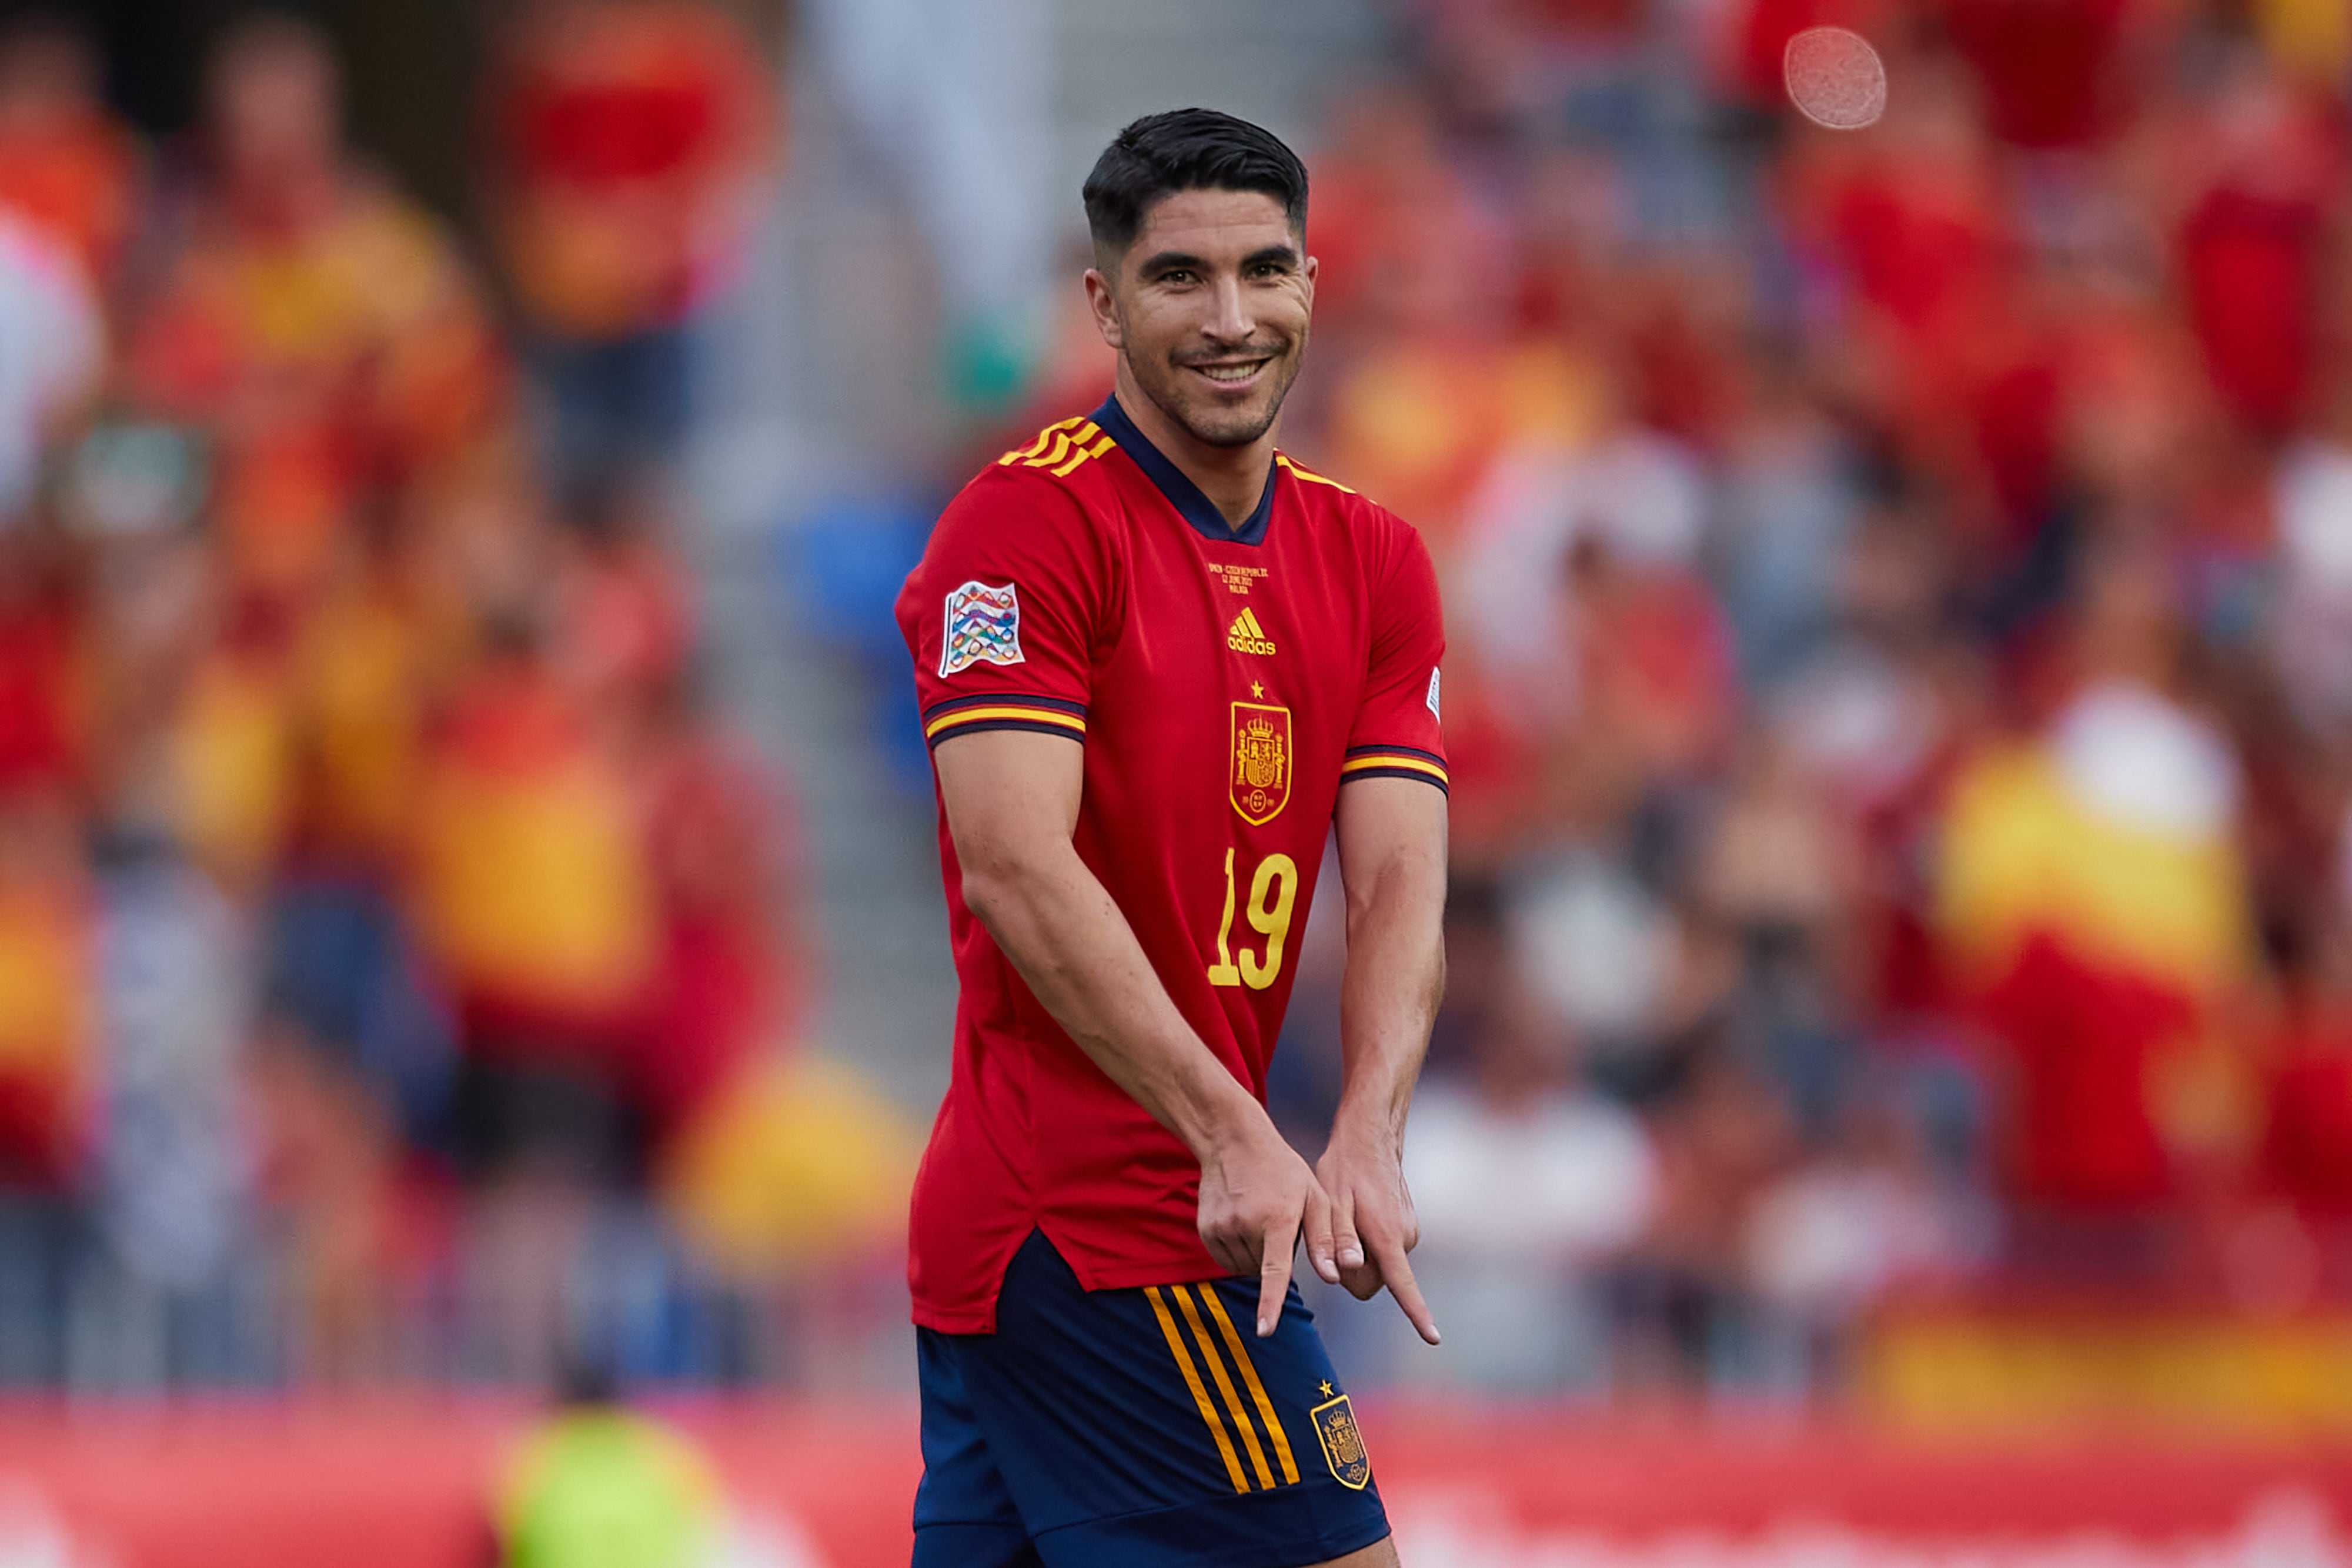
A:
{"points": [[1231, 373]]}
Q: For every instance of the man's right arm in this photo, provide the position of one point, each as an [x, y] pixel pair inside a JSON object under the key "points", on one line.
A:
{"points": [[1011, 800]]}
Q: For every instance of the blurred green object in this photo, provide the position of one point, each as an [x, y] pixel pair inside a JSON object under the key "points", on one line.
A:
{"points": [[602, 1486], [988, 363], [134, 476]]}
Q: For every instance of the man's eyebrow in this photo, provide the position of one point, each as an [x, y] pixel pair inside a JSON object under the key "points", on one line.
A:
{"points": [[1169, 261]]}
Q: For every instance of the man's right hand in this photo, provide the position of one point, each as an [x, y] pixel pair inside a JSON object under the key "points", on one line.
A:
{"points": [[1258, 1196]]}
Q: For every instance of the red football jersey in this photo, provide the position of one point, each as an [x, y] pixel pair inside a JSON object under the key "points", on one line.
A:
{"points": [[1225, 683]]}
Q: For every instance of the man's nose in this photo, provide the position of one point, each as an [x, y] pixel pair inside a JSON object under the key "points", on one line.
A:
{"points": [[1229, 320]]}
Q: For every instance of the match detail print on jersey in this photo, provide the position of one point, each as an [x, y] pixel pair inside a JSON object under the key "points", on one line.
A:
{"points": [[982, 627]]}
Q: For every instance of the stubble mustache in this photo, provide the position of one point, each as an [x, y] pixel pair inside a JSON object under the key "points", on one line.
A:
{"points": [[1188, 359]]}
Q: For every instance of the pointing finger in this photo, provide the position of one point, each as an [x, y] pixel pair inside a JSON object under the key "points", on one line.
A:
{"points": [[1274, 1274], [1398, 1274]]}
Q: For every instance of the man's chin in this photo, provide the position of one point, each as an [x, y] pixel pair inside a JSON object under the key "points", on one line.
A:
{"points": [[1228, 434], [1226, 426]]}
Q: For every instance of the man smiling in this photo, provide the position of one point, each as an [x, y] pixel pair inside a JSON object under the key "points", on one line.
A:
{"points": [[1159, 660]]}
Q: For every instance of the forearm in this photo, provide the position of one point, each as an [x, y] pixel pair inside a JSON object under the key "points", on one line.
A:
{"points": [[1392, 861], [1396, 977], [1052, 919]]}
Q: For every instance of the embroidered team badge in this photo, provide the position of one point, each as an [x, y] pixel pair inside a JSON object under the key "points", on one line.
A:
{"points": [[1343, 1445], [983, 627], [1261, 770]]}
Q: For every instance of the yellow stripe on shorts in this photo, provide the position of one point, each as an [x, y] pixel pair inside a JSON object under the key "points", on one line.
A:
{"points": [[1257, 1390], [1193, 1382], [1225, 1387]]}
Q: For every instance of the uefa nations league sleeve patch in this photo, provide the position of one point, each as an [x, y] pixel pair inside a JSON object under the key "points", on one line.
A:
{"points": [[983, 627]]}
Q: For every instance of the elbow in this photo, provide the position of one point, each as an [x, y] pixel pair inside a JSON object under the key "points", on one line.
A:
{"points": [[984, 894], [994, 885]]}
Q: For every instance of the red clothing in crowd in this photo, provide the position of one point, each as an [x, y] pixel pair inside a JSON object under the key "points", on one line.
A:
{"points": [[623, 127], [2082, 1042]]}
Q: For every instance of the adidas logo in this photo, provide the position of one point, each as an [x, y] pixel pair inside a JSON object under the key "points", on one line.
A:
{"points": [[1247, 636]]}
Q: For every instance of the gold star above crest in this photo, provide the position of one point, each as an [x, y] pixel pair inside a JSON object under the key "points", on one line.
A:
{"points": [[1257, 688], [1327, 1388]]}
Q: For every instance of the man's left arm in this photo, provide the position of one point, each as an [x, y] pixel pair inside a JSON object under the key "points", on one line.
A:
{"points": [[1392, 833]]}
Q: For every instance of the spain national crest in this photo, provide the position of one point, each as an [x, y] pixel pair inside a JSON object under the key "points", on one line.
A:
{"points": [[982, 626], [1343, 1445], [1261, 767]]}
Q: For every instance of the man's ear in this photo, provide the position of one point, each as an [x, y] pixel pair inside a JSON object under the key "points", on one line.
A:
{"points": [[1105, 305], [1311, 270]]}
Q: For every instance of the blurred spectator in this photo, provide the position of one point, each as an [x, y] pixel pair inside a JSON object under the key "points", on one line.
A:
{"points": [[44, 669], [2254, 250], [353, 1230], [2307, 1133], [51, 1076], [1680, 1302], [51, 347], [2091, 887], [1777, 879], [534, 897], [172, 1296], [629, 136], [1526, 1183], [68, 166], [725, 990], [48, 1035], [1835, 1238], [312, 320]]}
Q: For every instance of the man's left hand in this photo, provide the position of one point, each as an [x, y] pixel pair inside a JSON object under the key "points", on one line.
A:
{"points": [[1372, 1223]]}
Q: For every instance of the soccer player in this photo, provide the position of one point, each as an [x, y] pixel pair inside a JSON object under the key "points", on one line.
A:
{"points": [[1158, 660]]}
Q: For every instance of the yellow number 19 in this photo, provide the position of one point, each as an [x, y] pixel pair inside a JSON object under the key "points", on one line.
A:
{"points": [[1272, 893]]}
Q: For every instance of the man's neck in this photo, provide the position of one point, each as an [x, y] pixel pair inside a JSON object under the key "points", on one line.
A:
{"points": [[1231, 477]]}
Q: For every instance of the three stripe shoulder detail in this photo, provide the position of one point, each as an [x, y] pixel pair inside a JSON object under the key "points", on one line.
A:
{"points": [[1060, 448]]}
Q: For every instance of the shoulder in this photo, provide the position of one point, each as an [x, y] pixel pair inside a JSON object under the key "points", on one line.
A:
{"points": [[1043, 509], [1321, 494], [1052, 484], [1065, 453], [1383, 540]]}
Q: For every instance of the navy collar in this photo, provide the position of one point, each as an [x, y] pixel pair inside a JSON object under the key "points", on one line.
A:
{"points": [[1183, 494]]}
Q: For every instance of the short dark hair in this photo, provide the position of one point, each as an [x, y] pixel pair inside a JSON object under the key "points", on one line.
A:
{"points": [[1187, 149]]}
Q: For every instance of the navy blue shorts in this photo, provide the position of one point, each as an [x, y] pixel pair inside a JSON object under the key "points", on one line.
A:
{"points": [[1141, 1428]]}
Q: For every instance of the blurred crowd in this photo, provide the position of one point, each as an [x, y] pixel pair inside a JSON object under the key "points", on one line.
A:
{"points": [[396, 962], [1899, 594], [1899, 585]]}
